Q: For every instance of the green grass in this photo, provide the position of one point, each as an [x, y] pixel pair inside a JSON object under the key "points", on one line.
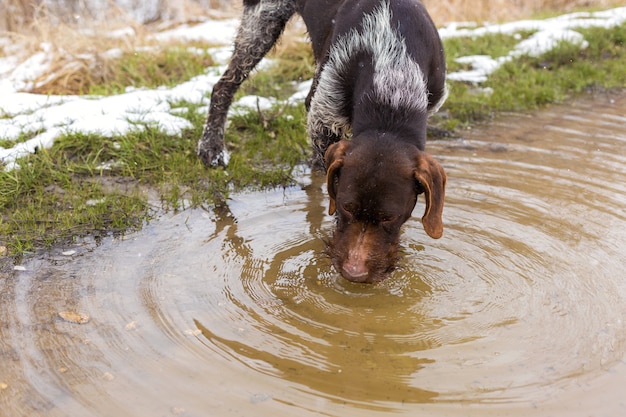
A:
{"points": [[497, 44], [565, 71], [44, 202], [91, 185], [530, 83], [23, 137], [163, 67], [290, 65], [88, 184], [149, 68]]}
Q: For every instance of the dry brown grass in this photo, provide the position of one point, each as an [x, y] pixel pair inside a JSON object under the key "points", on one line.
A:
{"points": [[79, 50], [104, 65], [78, 36], [19, 15], [78, 56], [503, 10]]}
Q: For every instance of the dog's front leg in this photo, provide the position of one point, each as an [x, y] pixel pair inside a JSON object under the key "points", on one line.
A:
{"points": [[262, 23]]}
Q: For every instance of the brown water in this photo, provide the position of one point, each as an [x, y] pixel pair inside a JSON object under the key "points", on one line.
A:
{"points": [[519, 310]]}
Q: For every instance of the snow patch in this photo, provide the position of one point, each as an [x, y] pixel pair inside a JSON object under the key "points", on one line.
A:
{"points": [[549, 33]]}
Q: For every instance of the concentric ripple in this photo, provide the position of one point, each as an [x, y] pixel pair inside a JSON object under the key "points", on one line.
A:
{"points": [[518, 310]]}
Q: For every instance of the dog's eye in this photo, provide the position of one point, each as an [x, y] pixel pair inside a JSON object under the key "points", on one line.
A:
{"points": [[387, 218], [419, 187], [348, 211], [349, 207], [390, 223]]}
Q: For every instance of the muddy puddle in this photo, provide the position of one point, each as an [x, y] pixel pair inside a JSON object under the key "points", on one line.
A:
{"points": [[519, 310]]}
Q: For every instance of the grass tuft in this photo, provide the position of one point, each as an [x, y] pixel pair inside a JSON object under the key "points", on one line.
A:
{"points": [[113, 73]]}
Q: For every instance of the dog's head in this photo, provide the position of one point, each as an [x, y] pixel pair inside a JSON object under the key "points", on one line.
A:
{"points": [[373, 186]]}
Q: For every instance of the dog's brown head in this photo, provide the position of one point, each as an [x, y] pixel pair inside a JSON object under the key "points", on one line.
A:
{"points": [[373, 184]]}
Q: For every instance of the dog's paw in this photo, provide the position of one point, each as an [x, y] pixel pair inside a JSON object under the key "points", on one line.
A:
{"points": [[212, 157], [211, 147], [208, 158]]}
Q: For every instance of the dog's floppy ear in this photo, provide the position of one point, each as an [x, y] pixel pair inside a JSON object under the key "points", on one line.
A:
{"points": [[333, 160], [432, 179]]}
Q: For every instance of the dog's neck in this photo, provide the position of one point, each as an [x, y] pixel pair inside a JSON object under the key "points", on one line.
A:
{"points": [[407, 125], [389, 140]]}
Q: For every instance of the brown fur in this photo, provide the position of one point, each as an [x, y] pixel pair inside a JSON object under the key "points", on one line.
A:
{"points": [[372, 200]]}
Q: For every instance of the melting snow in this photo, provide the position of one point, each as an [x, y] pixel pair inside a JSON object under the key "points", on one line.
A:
{"points": [[549, 33]]}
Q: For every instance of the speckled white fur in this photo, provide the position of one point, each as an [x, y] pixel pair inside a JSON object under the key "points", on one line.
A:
{"points": [[398, 80]]}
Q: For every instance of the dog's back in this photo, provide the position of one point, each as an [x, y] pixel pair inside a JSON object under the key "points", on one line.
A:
{"points": [[384, 69]]}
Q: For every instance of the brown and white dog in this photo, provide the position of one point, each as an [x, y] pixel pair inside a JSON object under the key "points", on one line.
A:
{"points": [[380, 74]]}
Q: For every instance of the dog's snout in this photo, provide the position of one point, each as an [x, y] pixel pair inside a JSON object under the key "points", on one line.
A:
{"points": [[359, 254], [354, 275], [355, 268]]}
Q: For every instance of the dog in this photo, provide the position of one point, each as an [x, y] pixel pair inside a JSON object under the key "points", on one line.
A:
{"points": [[380, 72]]}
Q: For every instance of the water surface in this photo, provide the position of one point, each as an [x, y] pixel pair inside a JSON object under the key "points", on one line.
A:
{"points": [[518, 310]]}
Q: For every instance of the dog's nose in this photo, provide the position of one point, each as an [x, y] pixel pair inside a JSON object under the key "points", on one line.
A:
{"points": [[355, 272], [353, 268]]}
